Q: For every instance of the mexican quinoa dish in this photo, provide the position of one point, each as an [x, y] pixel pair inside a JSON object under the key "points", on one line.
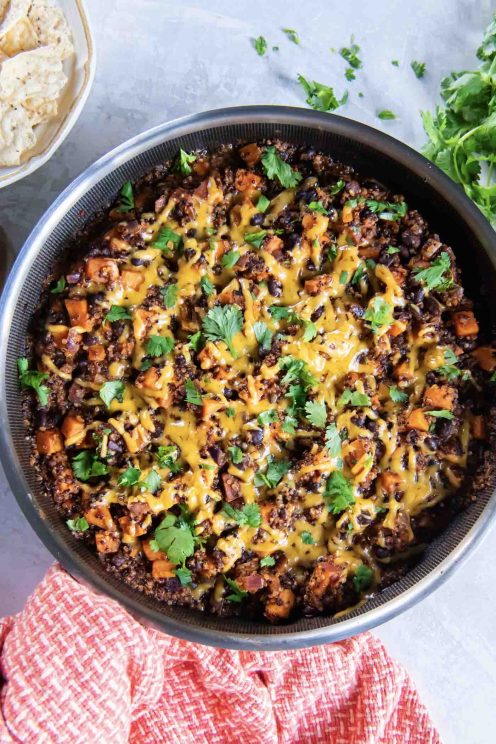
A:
{"points": [[256, 386]]}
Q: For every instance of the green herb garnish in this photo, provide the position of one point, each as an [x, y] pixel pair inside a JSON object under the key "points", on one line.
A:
{"points": [[157, 346], [362, 578], [167, 240], [193, 395], [117, 313], [229, 259], [379, 314], [86, 465], [112, 390], [183, 162], [126, 198], [249, 515], [434, 276], [129, 477], [316, 413], [321, 97], [397, 395], [222, 323], [275, 167], [59, 285], [30, 378], [79, 524], [307, 538], [338, 492], [276, 470], [169, 293]]}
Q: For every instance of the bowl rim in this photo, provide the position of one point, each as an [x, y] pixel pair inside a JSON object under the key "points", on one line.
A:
{"points": [[348, 128], [12, 174]]}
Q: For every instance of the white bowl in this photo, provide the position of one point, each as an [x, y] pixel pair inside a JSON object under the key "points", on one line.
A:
{"points": [[80, 70]]}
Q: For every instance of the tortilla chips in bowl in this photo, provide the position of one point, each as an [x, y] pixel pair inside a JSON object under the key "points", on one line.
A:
{"points": [[46, 70]]}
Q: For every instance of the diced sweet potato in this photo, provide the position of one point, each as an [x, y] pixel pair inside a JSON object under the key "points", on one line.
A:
{"points": [[440, 396], [102, 270], [152, 555], [402, 371], [396, 329], [96, 353], [130, 527], [100, 516], [163, 570], [389, 481], [355, 450], [247, 180], [486, 358], [106, 542], [149, 379], [318, 284], [478, 427], [418, 420], [72, 425], [77, 310], [131, 279], [251, 154], [347, 214], [465, 323], [210, 406], [273, 244], [49, 441], [279, 606], [369, 251], [399, 273]]}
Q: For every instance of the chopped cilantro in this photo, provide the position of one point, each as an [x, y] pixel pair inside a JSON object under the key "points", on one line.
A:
{"points": [[379, 314], [317, 206], [167, 240], [152, 482], [260, 45], [350, 54], [32, 379], [418, 68], [441, 414], [316, 413], [362, 578], [263, 204], [195, 340], [268, 560], [276, 470], [157, 346], [396, 395], [333, 440], [275, 167], [129, 477], [449, 370], [222, 323], [174, 536], [236, 454], [337, 187], [126, 198], [249, 515], [229, 259], [263, 334], [184, 575], [386, 114], [310, 330], [353, 398], [79, 524], [59, 286], [296, 370], [307, 538], [169, 293], [267, 417], [86, 465], [230, 412], [395, 62], [321, 97], [112, 390], [206, 286], [391, 249], [117, 313], [184, 159], [166, 456], [434, 277], [193, 395], [237, 594], [338, 492], [292, 35], [349, 74]]}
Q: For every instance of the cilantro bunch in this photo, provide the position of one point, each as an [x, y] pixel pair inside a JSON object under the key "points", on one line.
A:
{"points": [[462, 134]]}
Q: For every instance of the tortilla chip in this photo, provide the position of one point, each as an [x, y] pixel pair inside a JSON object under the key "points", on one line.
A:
{"points": [[16, 134], [17, 10], [37, 74], [51, 27], [40, 110], [20, 38]]}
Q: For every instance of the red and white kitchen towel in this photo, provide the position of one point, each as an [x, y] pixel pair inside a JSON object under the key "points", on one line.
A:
{"points": [[77, 668]]}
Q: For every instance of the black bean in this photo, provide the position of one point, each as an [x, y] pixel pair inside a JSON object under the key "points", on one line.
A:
{"points": [[307, 195], [275, 287], [410, 239], [191, 232], [140, 261], [292, 241], [231, 394], [257, 219], [404, 252], [317, 313], [431, 442], [256, 436]]}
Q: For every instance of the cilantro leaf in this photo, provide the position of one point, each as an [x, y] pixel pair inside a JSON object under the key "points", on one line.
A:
{"points": [[333, 440], [276, 470], [230, 412], [249, 515], [349, 74], [126, 197], [238, 594], [353, 398], [338, 492], [292, 35], [263, 334], [307, 538], [169, 293], [117, 313], [236, 454], [222, 323], [193, 395], [296, 370], [449, 370], [396, 395], [195, 340], [337, 187], [362, 578], [316, 413], [152, 482], [157, 346], [167, 240], [321, 97], [79, 524], [229, 259], [263, 204], [260, 45], [418, 68], [280, 312], [441, 414], [206, 286], [268, 560], [275, 167], [113, 389], [86, 465], [317, 206], [391, 249], [310, 330], [434, 277], [129, 477], [386, 114], [379, 314], [350, 54], [174, 536], [32, 379], [183, 162], [387, 210], [166, 456], [59, 285], [267, 417], [184, 575], [256, 238]]}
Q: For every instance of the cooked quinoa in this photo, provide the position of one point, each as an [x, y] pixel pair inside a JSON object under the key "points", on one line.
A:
{"points": [[258, 389]]}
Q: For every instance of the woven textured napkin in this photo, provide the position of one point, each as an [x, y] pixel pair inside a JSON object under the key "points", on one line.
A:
{"points": [[77, 668]]}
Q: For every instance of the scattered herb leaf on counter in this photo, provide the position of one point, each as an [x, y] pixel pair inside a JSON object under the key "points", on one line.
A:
{"points": [[349, 74], [350, 54], [395, 62], [292, 35], [260, 45], [321, 97], [386, 114], [462, 133], [418, 68]]}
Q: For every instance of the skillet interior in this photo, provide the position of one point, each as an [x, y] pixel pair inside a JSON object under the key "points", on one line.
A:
{"points": [[374, 155]]}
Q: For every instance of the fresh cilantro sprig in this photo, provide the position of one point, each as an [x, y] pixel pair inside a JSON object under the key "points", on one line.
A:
{"points": [[222, 323], [30, 378], [275, 167], [166, 456], [249, 515], [353, 398], [157, 346], [379, 314], [167, 240], [79, 524], [338, 493], [434, 276], [184, 160], [175, 537], [112, 390], [316, 413], [86, 465], [126, 197], [117, 313], [237, 594], [276, 470], [263, 334], [193, 395], [362, 578]]}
